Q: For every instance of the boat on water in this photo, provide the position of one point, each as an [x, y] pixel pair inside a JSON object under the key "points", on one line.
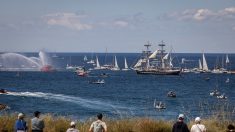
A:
{"points": [[202, 67], [215, 93], [3, 91], [222, 96], [126, 66], [98, 67], [171, 94], [115, 67], [85, 58], [157, 63], [159, 105], [227, 80], [98, 81], [47, 68]]}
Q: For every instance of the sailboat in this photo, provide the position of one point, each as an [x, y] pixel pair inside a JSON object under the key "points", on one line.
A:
{"points": [[85, 58], [98, 67], [126, 66], [157, 63], [91, 61], [116, 67], [204, 64]]}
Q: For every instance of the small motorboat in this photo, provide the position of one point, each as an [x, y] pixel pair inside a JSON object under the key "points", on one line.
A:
{"points": [[159, 105], [215, 93], [171, 94], [222, 96], [98, 82], [103, 75], [3, 91], [207, 78]]}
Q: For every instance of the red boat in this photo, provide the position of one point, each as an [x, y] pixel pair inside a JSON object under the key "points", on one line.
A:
{"points": [[47, 68]]}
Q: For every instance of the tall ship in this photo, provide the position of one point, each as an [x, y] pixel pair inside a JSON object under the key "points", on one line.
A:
{"points": [[156, 63]]}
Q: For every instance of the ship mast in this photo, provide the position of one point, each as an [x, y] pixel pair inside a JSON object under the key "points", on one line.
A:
{"points": [[147, 53], [162, 45]]}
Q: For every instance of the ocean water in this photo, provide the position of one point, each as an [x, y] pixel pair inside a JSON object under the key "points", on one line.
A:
{"points": [[124, 94]]}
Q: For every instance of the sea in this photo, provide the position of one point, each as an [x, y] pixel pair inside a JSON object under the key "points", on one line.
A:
{"points": [[125, 94]]}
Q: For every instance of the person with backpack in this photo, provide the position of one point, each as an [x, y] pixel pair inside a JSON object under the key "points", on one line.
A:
{"points": [[198, 127], [37, 124], [20, 125], [98, 125]]}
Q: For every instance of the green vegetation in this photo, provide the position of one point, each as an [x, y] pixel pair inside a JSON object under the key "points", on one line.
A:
{"points": [[60, 124]]}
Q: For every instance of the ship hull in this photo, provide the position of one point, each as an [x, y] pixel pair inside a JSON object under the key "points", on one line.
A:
{"points": [[158, 72]]}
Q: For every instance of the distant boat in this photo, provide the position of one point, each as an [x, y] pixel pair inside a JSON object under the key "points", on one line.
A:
{"points": [[3, 91], [126, 66], [215, 93], [227, 80], [85, 58], [116, 67], [156, 65], [98, 67], [222, 96], [159, 105], [171, 94], [98, 82]]}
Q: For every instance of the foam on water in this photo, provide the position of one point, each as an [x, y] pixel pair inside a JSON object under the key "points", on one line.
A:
{"points": [[92, 104]]}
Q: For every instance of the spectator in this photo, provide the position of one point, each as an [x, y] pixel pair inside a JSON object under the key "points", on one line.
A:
{"points": [[180, 126], [20, 125], [198, 127], [37, 123], [72, 127], [98, 125]]}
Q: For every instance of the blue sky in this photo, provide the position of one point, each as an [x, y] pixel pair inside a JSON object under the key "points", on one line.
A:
{"points": [[118, 25]]}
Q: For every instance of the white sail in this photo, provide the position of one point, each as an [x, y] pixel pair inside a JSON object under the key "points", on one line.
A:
{"points": [[97, 62], [85, 58], [154, 54], [227, 60], [166, 56], [204, 63], [171, 65], [138, 64], [200, 64], [126, 66], [116, 64]]}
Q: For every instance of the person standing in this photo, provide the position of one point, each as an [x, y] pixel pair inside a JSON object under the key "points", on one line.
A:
{"points": [[72, 127], [20, 125], [98, 125], [180, 126], [198, 127], [37, 123]]}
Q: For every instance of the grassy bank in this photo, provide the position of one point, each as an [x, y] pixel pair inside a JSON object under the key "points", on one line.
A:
{"points": [[60, 124]]}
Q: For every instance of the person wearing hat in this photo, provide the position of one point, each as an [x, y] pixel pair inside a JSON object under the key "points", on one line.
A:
{"points": [[72, 127], [180, 126], [198, 127], [37, 123], [20, 125], [98, 125]]}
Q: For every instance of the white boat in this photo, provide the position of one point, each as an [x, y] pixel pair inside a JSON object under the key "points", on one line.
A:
{"points": [[126, 66], [227, 80], [159, 105], [222, 96], [215, 93], [98, 82], [91, 62], [116, 67], [98, 67]]}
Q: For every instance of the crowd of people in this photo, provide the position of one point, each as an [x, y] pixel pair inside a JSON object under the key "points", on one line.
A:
{"points": [[37, 125]]}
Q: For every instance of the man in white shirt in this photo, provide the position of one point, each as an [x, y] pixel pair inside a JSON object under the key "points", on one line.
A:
{"points": [[198, 127]]}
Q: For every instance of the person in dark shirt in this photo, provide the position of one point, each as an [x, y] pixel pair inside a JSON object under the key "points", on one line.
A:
{"points": [[180, 126]]}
